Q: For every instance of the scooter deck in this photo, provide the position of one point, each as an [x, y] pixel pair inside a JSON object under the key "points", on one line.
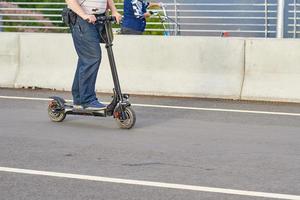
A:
{"points": [[70, 110]]}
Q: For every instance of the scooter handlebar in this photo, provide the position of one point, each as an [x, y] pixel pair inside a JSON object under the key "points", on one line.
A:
{"points": [[102, 19]]}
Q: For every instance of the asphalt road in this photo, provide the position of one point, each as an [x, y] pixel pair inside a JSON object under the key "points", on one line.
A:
{"points": [[213, 148]]}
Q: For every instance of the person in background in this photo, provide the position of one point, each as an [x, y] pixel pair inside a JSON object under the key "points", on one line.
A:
{"points": [[135, 14]]}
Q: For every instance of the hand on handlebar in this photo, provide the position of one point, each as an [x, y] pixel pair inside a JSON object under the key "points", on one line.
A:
{"points": [[153, 12], [118, 17], [90, 19]]}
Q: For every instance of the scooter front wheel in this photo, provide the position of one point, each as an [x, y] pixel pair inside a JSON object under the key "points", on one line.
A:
{"points": [[130, 120], [54, 114]]}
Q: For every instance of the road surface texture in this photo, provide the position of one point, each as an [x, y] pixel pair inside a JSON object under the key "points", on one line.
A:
{"points": [[206, 143]]}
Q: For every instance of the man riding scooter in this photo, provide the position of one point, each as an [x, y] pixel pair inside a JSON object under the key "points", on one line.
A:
{"points": [[89, 28], [86, 38]]}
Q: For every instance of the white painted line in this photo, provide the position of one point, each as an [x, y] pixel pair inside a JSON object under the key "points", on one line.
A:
{"points": [[175, 107], [151, 184], [24, 98], [220, 110], [29, 98]]}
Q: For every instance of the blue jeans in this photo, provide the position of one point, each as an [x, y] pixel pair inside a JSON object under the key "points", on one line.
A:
{"points": [[86, 38]]}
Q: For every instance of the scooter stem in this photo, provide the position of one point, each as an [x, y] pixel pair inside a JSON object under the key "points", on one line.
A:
{"points": [[112, 63]]}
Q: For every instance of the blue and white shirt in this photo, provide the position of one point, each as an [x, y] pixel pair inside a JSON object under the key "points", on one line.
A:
{"points": [[134, 11]]}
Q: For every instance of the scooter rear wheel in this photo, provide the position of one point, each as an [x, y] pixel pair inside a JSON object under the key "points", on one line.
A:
{"points": [[55, 116], [130, 120]]}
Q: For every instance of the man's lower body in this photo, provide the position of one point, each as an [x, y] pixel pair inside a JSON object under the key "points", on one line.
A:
{"points": [[86, 38], [129, 31]]}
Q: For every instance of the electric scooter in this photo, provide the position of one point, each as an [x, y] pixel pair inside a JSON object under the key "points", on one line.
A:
{"points": [[119, 107]]}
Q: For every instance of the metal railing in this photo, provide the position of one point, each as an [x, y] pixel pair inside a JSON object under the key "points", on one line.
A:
{"points": [[248, 18], [293, 16]]}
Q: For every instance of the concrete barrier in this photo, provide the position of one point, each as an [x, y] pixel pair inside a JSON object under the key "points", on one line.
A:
{"points": [[154, 65], [46, 60], [9, 59], [272, 70], [176, 66]]}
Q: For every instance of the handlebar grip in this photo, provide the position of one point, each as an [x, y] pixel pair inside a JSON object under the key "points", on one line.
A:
{"points": [[102, 19]]}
